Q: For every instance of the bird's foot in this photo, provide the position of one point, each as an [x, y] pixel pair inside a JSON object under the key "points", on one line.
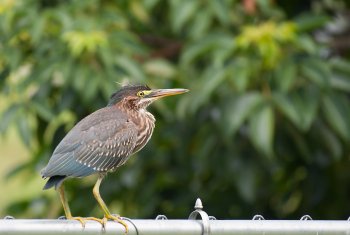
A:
{"points": [[80, 219], [83, 220], [118, 219], [101, 221]]}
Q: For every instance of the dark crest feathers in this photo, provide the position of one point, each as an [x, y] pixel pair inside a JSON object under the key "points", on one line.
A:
{"points": [[128, 90]]}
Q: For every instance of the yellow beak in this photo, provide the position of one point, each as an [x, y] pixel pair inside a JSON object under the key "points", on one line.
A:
{"points": [[159, 93]]}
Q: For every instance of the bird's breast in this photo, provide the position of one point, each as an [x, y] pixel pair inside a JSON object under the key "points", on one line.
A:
{"points": [[145, 123]]}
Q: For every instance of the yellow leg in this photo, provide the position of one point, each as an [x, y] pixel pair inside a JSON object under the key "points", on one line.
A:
{"points": [[66, 209], [108, 215]]}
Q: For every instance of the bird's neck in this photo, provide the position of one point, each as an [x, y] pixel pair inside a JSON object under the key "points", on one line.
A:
{"points": [[145, 123], [144, 114], [141, 117]]}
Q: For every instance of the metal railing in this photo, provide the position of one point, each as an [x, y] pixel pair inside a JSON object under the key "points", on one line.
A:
{"points": [[198, 223]]}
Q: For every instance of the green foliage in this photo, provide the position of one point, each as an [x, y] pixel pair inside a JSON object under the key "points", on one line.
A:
{"points": [[265, 128]]}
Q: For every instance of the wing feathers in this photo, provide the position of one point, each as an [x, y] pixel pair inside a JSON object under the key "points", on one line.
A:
{"points": [[100, 147]]}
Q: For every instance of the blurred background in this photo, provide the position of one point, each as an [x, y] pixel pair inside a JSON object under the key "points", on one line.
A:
{"points": [[265, 128]]}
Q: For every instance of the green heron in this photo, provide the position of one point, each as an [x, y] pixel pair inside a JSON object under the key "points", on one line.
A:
{"points": [[103, 141]]}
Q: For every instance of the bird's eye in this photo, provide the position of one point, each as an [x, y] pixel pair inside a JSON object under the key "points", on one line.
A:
{"points": [[140, 94]]}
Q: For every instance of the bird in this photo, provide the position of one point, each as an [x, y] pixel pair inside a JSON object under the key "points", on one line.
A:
{"points": [[103, 141]]}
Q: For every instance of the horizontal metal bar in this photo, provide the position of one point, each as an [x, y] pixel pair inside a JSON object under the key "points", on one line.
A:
{"points": [[178, 227]]}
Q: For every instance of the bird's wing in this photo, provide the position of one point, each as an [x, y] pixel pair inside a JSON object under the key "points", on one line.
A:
{"points": [[98, 143]]}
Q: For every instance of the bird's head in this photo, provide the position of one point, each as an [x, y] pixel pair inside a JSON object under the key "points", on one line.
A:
{"points": [[140, 96]]}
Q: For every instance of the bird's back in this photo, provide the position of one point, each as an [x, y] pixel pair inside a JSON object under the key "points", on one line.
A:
{"points": [[99, 143]]}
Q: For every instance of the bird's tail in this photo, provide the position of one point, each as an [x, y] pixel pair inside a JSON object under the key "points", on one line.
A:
{"points": [[56, 181]]}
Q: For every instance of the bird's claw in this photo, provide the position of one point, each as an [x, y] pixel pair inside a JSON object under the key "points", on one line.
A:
{"points": [[103, 221], [116, 218], [83, 220], [80, 219]]}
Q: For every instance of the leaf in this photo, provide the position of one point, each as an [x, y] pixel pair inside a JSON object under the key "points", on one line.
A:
{"points": [[201, 24], [221, 11], [306, 43], [340, 82], [337, 113], [79, 81], [331, 141], [92, 87], [341, 65], [285, 75], [182, 12], [306, 102], [20, 167], [150, 4], [287, 107], [261, 129], [245, 182], [317, 71], [299, 107], [203, 46], [8, 116], [4, 74], [130, 67], [239, 110], [240, 73], [310, 22], [340, 78], [182, 107], [126, 43], [212, 78], [139, 11], [159, 68], [43, 110], [37, 29], [66, 118], [24, 129]]}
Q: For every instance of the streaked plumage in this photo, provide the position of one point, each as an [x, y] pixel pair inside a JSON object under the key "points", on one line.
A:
{"points": [[103, 141]]}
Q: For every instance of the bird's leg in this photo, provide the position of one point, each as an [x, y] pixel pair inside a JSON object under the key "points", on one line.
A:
{"points": [[66, 206], [108, 215], [67, 209]]}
